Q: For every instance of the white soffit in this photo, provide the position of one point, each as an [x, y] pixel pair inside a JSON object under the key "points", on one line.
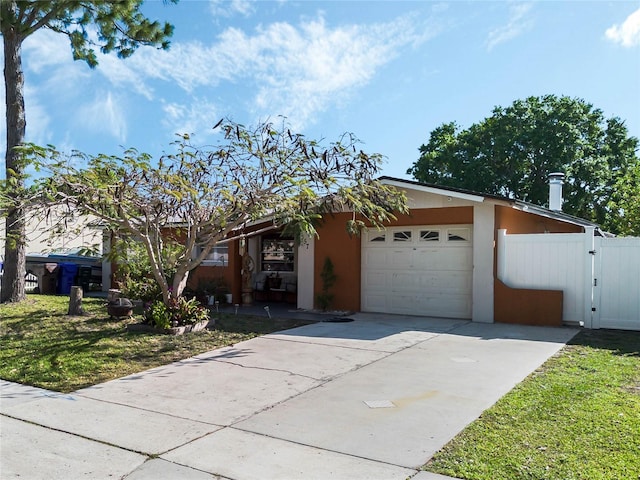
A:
{"points": [[436, 191]]}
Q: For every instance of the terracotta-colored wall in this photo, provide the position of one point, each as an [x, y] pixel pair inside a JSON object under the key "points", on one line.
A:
{"points": [[230, 272], [517, 221], [345, 251], [526, 306]]}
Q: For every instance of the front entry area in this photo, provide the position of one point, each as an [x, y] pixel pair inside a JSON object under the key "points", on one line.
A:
{"points": [[423, 270]]}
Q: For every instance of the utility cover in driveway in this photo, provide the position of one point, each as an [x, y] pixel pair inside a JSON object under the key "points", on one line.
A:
{"points": [[424, 270]]}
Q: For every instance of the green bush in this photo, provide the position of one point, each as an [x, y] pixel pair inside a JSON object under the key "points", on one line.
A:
{"points": [[178, 313], [133, 270], [329, 278], [140, 288]]}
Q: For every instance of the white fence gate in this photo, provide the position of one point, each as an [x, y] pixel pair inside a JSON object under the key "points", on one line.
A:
{"points": [[617, 283], [599, 277]]}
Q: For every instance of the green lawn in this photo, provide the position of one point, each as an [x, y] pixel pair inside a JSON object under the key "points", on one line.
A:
{"points": [[40, 345], [577, 417]]}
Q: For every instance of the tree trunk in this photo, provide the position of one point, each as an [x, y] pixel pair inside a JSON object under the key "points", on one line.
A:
{"points": [[75, 301], [13, 279]]}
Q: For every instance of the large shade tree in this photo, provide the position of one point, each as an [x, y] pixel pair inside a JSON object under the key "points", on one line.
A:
{"points": [[111, 26], [512, 152], [194, 198]]}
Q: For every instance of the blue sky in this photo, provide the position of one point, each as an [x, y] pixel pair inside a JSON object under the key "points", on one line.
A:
{"points": [[388, 71]]}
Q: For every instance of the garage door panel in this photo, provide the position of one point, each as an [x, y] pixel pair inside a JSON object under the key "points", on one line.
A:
{"points": [[410, 277], [400, 258], [444, 258], [376, 303], [425, 304], [417, 282], [375, 258], [376, 280], [427, 259]]}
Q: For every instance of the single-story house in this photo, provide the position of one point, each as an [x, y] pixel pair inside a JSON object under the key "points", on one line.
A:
{"points": [[440, 260]]}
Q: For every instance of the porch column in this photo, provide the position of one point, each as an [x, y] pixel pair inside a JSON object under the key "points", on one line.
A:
{"points": [[483, 255], [305, 272]]}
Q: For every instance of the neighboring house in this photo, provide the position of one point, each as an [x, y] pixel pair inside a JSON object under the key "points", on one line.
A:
{"points": [[52, 240], [445, 258], [50, 233]]}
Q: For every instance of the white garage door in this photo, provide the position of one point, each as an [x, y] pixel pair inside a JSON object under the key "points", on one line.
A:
{"points": [[418, 271]]}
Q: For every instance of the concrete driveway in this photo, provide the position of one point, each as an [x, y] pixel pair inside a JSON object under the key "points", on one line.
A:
{"points": [[368, 399]]}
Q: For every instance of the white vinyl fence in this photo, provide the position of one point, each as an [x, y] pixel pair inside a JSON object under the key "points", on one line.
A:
{"points": [[600, 277]]}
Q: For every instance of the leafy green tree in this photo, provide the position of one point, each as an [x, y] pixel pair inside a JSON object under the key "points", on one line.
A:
{"points": [[194, 198], [625, 204], [120, 28], [512, 152]]}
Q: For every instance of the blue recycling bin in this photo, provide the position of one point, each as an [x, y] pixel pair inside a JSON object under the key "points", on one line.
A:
{"points": [[67, 279]]}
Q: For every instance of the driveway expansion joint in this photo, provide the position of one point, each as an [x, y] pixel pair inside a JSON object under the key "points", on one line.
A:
{"points": [[135, 407]]}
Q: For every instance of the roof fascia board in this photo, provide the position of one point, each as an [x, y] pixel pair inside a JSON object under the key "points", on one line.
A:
{"points": [[435, 191]]}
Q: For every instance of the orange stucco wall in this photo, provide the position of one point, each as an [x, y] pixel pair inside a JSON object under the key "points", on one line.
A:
{"points": [[345, 251], [517, 221], [527, 306]]}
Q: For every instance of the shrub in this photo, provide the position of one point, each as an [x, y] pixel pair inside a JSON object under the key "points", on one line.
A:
{"points": [[329, 278], [140, 288], [133, 271], [178, 313]]}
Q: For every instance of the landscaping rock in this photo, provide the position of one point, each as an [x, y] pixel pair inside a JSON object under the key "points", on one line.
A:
{"points": [[196, 327]]}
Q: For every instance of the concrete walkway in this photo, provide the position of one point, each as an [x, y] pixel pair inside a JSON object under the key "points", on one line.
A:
{"points": [[370, 399]]}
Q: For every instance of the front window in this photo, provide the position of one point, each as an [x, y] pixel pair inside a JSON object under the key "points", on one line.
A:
{"points": [[218, 256], [277, 254]]}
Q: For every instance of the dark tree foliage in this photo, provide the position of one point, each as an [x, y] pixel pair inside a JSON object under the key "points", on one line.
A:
{"points": [[512, 152]]}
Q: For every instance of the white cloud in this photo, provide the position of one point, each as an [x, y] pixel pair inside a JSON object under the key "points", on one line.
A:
{"points": [[104, 115], [627, 34], [293, 70], [38, 121], [296, 70], [518, 23], [226, 8], [197, 118], [48, 54], [119, 72], [45, 50]]}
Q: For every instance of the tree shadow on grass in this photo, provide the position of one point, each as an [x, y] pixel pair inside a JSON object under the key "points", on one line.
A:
{"points": [[257, 325], [619, 342]]}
